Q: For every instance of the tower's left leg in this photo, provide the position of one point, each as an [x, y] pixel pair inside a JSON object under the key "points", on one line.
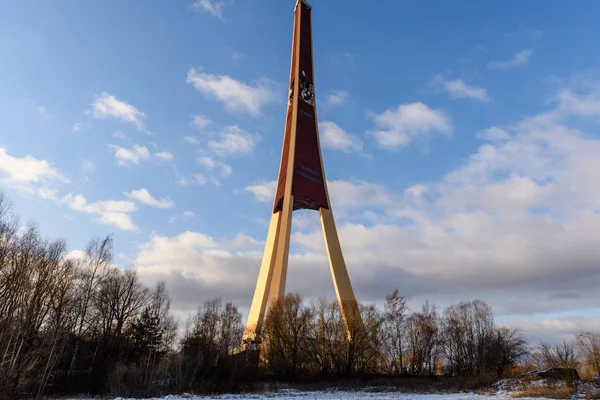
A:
{"points": [[282, 250], [263, 284]]}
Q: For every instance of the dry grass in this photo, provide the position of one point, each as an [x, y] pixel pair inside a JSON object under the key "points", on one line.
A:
{"points": [[560, 392], [385, 384], [592, 394]]}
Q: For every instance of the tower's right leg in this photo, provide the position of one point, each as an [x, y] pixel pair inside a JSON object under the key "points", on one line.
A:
{"points": [[339, 274]]}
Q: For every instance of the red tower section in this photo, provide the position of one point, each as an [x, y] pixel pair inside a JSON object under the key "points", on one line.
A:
{"points": [[308, 187]]}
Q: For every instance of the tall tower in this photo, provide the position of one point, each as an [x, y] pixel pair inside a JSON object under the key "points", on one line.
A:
{"points": [[301, 185]]}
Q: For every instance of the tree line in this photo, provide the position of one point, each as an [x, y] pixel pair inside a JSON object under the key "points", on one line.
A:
{"points": [[84, 325], [461, 341]]}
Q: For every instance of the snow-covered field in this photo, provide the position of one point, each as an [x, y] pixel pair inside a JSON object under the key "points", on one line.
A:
{"points": [[504, 390], [331, 395]]}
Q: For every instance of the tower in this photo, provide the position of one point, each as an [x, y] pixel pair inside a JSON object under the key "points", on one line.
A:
{"points": [[301, 185]]}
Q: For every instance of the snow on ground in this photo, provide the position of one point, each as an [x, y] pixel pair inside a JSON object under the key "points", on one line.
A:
{"points": [[505, 389], [331, 395]]}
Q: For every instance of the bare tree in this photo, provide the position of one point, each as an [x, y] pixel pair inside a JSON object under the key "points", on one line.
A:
{"points": [[467, 334], [35, 285], [562, 355], [507, 348], [588, 344], [394, 331], [211, 335], [327, 346], [286, 331], [423, 339], [120, 297], [91, 271], [365, 342], [10, 276], [62, 320], [343, 346]]}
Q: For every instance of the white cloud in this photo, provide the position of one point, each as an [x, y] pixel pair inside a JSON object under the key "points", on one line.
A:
{"points": [[200, 121], [87, 166], [229, 141], [459, 89], [118, 135], [211, 163], [119, 220], [335, 138], [191, 140], [27, 170], [164, 155], [523, 32], [176, 260], [43, 111], [197, 179], [519, 59], [29, 175], [306, 221], [493, 134], [397, 127], [236, 55], [126, 157], [570, 103], [75, 255], [187, 215], [337, 98], [109, 212], [108, 106], [235, 95], [416, 191], [559, 328], [144, 196], [210, 6], [263, 191], [47, 193], [77, 127], [233, 140], [359, 194]]}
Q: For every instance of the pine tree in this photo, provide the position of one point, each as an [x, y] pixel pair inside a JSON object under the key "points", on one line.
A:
{"points": [[145, 336]]}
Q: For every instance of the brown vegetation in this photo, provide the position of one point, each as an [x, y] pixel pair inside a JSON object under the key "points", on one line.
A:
{"points": [[552, 392], [588, 344], [592, 394]]}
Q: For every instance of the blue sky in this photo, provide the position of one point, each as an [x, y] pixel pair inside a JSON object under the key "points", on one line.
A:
{"points": [[458, 142]]}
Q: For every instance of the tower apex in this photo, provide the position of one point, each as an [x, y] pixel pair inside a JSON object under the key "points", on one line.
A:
{"points": [[304, 2]]}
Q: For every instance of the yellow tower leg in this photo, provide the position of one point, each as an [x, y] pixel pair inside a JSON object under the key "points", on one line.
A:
{"points": [[263, 284], [273, 270], [339, 273], [282, 251]]}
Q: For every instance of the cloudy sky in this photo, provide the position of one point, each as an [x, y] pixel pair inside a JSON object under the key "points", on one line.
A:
{"points": [[460, 143]]}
